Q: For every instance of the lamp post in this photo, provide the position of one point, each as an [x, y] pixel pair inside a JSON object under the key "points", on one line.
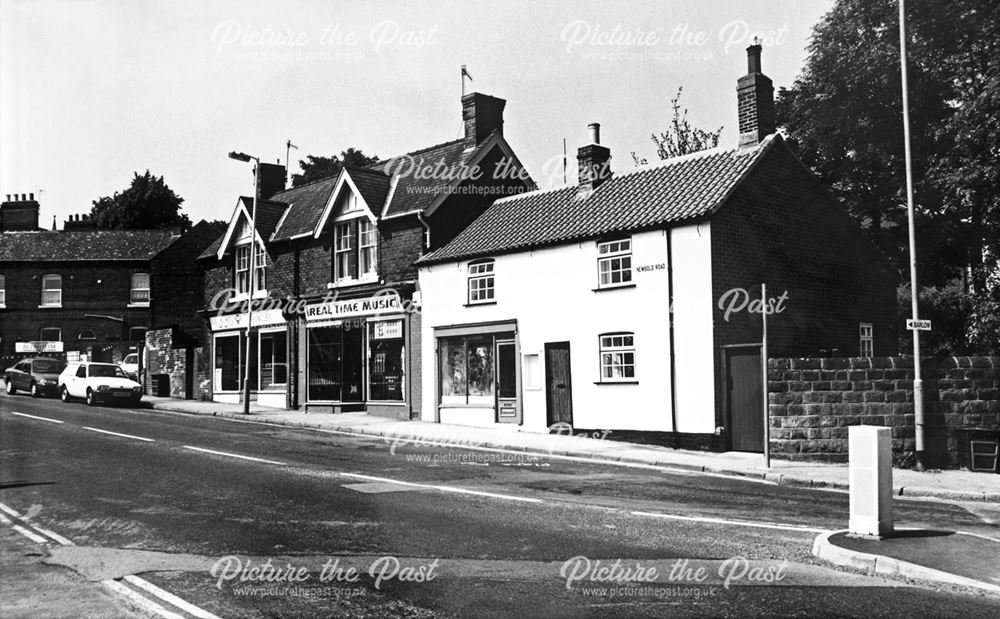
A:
{"points": [[252, 272]]}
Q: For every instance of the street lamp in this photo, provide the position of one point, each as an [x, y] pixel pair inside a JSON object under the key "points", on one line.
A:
{"points": [[252, 273]]}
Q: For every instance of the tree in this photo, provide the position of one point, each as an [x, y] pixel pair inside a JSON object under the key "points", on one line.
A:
{"points": [[843, 115], [681, 138], [315, 168], [147, 203]]}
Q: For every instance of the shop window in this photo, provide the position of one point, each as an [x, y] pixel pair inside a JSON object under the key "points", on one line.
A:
{"points": [[3, 291], [867, 339], [614, 263], [228, 362], [386, 353], [467, 370], [50, 334], [481, 282], [140, 289], [273, 360], [368, 247], [52, 290], [617, 352]]}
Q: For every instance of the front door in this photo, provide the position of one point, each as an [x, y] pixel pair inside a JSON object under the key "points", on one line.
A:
{"points": [[506, 381], [745, 399], [558, 384]]}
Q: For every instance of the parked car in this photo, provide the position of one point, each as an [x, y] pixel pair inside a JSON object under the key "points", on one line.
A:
{"points": [[98, 382], [131, 366], [38, 376]]}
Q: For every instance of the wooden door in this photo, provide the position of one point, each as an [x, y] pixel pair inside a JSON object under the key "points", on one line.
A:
{"points": [[558, 383], [744, 399]]}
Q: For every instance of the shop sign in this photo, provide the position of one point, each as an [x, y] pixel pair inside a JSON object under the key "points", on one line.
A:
{"points": [[387, 329], [38, 347], [379, 304], [239, 321]]}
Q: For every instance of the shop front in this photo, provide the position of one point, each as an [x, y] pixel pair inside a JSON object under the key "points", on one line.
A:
{"points": [[355, 355], [269, 351]]}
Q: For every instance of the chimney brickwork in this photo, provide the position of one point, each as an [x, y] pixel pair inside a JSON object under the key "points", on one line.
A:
{"points": [[593, 162], [755, 96], [19, 214], [482, 115]]}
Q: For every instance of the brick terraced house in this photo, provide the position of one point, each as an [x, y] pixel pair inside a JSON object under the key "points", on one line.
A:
{"points": [[632, 301], [334, 287]]}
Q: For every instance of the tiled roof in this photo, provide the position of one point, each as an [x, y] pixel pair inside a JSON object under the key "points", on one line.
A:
{"points": [[675, 190], [100, 245], [373, 185], [269, 213], [305, 205], [415, 193]]}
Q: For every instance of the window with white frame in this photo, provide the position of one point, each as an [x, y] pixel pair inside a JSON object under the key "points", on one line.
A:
{"points": [[481, 288], [50, 334], [614, 263], [260, 272], [617, 357], [367, 244], [51, 290], [867, 339], [140, 289], [343, 250], [3, 291], [242, 275]]}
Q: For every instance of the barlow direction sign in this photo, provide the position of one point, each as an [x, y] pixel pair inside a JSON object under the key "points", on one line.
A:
{"points": [[918, 325]]}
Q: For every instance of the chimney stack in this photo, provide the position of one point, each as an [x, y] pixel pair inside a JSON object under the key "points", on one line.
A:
{"points": [[482, 114], [271, 180], [19, 214], [593, 162], [755, 96]]}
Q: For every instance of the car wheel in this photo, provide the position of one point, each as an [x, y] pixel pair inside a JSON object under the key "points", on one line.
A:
{"points": [[11, 390], [91, 398], [35, 393], [64, 394]]}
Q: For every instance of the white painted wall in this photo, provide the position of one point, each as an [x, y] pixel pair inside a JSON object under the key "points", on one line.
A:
{"points": [[551, 294]]}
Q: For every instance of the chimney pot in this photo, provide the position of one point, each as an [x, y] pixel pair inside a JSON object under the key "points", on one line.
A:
{"points": [[31, 196], [595, 132], [8, 197], [24, 198]]}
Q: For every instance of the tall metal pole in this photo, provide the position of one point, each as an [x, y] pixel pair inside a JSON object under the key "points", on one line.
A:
{"points": [[918, 383], [253, 277], [763, 360]]}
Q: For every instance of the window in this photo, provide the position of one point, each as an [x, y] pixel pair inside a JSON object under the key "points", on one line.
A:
{"points": [[367, 242], [260, 272], [614, 263], [344, 250], [140, 289], [3, 291], [228, 362], [386, 352], [335, 364], [243, 269], [867, 340], [481, 282], [50, 334], [87, 334], [52, 290], [137, 334], [617, 357], [273, 360], [467, 375]]}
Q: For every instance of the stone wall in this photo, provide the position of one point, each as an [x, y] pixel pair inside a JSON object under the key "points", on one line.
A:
{"points": [[814, 401]]}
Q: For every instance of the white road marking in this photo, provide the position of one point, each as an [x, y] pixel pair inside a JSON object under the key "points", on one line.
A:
{"points": [[14, 514], [168, 597], [38, 539], [138, 438], [10, 511], [740, 523], [992, 539], [222, 453], [59, 538], [38, 418], [5, 520], [507, 497], [142, 602]]}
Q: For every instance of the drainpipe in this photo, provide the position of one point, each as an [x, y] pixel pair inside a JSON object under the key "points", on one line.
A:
{"points": [[427, 230], [673, 362]]}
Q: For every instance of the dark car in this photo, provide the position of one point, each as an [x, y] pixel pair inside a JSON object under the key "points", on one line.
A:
{"points": [[37, 376]]}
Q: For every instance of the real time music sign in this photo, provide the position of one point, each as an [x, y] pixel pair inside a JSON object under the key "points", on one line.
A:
{"points": [[378, 304]]}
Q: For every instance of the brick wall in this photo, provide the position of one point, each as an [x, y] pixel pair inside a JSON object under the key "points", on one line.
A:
{"points": [[814, 401], [781, 228], [162, 358]]}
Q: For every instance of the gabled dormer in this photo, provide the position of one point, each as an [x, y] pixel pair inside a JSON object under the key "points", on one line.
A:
{"points": [[352, 215], [248, 245]]}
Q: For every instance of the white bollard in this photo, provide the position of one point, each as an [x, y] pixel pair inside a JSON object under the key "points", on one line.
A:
{"points": [[870, 475]]}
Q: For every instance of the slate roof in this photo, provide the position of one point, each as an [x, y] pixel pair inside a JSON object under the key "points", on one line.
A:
{"points": [[305, 205], [373, 185], [675, 190], [269, 214], [416, 194], [102, 245]]}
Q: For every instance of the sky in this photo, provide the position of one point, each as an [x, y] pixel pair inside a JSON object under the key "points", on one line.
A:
{"points": [[92, 91]]}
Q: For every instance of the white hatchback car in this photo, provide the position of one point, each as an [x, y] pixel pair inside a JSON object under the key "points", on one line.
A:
{"points": [[98, 382]]}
